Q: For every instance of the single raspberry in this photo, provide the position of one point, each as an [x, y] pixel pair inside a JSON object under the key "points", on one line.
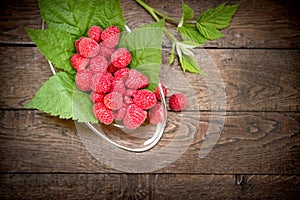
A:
{"points": [[83, 80], [79, 62], [120, 58], [144, 99], [113, 100], [111, 36], [117, 85], [136, 80], [156, 114], [94, 32], [122, 73], [96, 97], [88, 47], [157, 92], [105, 51], [76, 44], [120, 114], [98, 64], [178, 102], [100, 83], [134, 116], [102, 113], [112, 69]]}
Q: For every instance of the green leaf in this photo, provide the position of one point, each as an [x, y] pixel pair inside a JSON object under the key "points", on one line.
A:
{"points": [[188, 63], [56, 46], [187, 13], [77, 16], [190, 33], [172, 55], [59, 96], [211, 20], [145, 46]]}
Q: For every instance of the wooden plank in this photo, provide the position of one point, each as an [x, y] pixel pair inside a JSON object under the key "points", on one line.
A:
{"points": [[35, 142], [267, 83], [146, 186], [257, 24]]}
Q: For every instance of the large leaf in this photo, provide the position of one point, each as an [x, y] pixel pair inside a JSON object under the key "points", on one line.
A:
{"points": [[76, 16]]}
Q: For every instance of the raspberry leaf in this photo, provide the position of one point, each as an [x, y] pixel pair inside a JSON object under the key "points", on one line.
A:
{"points": [[60, 97], [145, 46], [187, 14], [76, 16], [56, 46], [190, 32]]}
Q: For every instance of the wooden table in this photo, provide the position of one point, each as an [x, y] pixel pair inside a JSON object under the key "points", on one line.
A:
{"points": [[257, 155]]}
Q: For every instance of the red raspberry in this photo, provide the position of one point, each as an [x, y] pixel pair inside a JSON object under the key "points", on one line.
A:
{"points": [[134, 116], [113, 100], [88, 47], [120, 114], [136, 80], [98, 64], [117, 85], [120, 58], [94, 32], [110, 36], [102, 113], [122, 73], [156, 114], [78, 62], [76, 44], [83, 80], [144, 99], [112, 69], [157, 93], [100, 83], [178, 102], [130, 92], [105, 51], [96, 97]]}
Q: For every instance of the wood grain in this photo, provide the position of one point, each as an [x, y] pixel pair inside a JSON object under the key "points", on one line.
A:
{"points": [[257, 24], [268, 83], [35, 142], [146, 186]]}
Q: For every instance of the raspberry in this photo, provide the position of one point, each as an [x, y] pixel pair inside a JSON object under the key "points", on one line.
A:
{"points": [[96, 97], [120, 114], [110, 36], [136, 80], [76, 44], [130, 92], [78, 62], [83, 80], [98, 64], [88, 47], [112, 69], [128, 100], [134, 116], [155, 114], [157, 93], [120, 58], [144, 99], [105, 51], [102, 113], [94, 32], [178, 102], [117, 85], [113, 100], [122, 73], [100, 83]]}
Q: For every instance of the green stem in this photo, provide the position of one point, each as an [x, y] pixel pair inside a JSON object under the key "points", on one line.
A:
{"points": [[154, 14]]}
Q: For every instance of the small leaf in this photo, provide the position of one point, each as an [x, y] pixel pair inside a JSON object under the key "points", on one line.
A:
{"points": [[190, 33], [56, 46], [59, 96], [187, 14], [188, 63], [212, 20]]}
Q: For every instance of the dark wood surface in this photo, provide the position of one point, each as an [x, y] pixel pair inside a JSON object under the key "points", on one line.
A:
{"points": [[256, 157]]}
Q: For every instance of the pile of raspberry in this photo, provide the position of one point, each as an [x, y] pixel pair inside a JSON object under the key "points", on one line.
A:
{"points": [[118, 93]]}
